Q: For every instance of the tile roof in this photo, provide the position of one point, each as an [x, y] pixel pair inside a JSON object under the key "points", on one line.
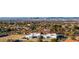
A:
{"points": [[70, 40]]}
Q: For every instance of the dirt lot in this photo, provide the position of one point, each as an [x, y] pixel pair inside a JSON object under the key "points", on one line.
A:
{"points": [[11, 37]]}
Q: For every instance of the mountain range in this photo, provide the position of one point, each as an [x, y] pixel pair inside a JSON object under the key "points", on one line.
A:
{"points": [[39, 18]]}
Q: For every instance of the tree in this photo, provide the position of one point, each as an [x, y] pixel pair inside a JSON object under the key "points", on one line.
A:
{"points": [[33, 27]]}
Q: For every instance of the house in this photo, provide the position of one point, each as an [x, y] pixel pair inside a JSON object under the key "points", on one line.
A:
{"points": [[38, 35], [50, 36], [33, 35], [45, 36]]}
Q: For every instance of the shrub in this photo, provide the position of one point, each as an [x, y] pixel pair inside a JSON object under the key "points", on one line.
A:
{"points": [[53, 40]]}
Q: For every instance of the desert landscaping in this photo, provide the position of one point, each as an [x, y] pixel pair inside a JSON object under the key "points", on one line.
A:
{"points": [[39, 30]]}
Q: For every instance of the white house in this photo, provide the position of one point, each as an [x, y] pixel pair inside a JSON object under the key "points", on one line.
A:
{"points": [[50, 36], [33, 35], [45, 36]]}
